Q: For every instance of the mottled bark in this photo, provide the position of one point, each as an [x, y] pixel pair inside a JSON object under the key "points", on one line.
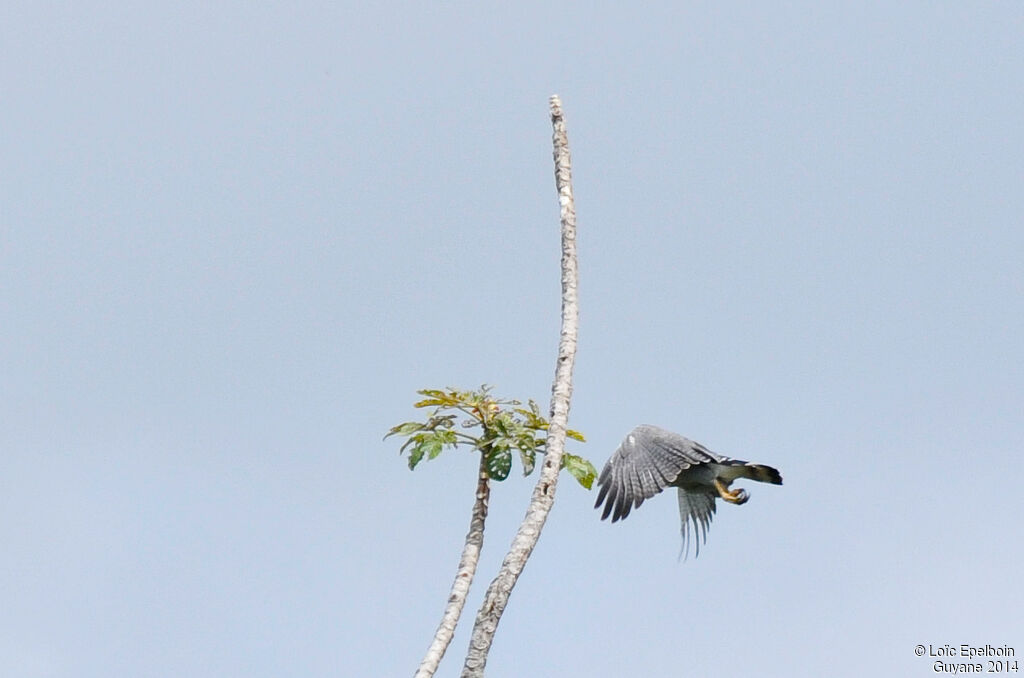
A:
{"points": [[544, 491], [463, 577]]}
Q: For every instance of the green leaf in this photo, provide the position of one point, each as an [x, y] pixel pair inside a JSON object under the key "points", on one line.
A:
{"points": [[499, 462], [432, 447], [575, 435], [404, 429], [501, 424], [528, 457], [531, 421], [581, 469], [415, 456], [430, 402]]}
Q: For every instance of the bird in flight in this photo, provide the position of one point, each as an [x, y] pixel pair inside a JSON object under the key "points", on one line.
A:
{"points": [[651, 459]]}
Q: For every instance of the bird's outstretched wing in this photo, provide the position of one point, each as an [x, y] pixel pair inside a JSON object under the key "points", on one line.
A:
{"points": [[648, 460]]}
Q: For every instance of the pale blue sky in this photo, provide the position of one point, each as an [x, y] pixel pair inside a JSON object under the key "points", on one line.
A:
{"points": [[236, 238]]}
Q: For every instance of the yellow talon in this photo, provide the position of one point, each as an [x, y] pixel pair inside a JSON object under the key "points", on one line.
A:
{"points": [[731, 496]]}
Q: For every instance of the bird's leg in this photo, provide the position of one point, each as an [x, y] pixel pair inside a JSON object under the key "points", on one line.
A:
{"points": [[731, 496]]}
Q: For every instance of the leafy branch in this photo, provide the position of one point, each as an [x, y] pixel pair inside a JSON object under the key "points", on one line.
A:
{"points": [[498, 428]]}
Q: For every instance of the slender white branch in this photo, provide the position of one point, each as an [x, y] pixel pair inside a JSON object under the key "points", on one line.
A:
{"points": [[463, 577], [544, 491]]}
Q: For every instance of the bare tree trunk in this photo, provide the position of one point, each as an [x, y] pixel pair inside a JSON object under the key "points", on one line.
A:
{"points": [[463, 577], [561, 392]]}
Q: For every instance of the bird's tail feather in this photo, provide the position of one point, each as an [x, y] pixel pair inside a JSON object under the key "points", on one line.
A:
{"points": [[764, 474]]}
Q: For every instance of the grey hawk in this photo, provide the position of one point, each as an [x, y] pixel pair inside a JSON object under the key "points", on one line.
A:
{"points": [[651, 459]]}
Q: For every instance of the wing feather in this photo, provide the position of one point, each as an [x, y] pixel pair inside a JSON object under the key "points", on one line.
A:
{"points": [[695, 512]]}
